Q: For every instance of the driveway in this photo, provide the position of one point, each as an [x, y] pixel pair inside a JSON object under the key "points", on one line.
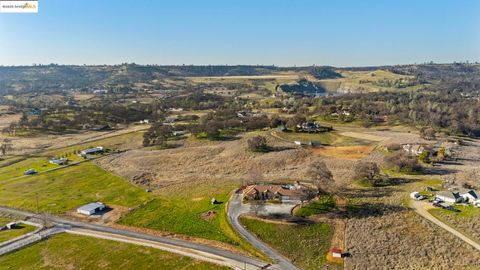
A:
{"points": [[421, 208], [183, 247], [235, 209]]}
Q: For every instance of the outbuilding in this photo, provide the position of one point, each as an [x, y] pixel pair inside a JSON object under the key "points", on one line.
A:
{"points": [[91, 208]]}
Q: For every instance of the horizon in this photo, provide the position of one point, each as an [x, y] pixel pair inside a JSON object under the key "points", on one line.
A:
{"points": [[339, 34], [234, 65]]}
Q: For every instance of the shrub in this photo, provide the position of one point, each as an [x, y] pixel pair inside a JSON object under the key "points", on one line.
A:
{"points": [[258, 144]]}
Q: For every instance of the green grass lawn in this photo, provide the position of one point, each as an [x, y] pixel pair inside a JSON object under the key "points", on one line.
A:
{"points": [[465, 211], [179, 209], [19, 230], [322, 205], [17, 169], [66, 189], [66, 251], [305, 245]]}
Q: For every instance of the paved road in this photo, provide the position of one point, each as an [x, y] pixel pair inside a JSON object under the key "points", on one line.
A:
{"points": [[421, 208], [176, 245], [30, 239], [235, 209]]}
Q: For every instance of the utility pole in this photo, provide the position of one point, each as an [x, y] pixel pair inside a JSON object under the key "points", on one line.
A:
{"points": [[36, 198]]}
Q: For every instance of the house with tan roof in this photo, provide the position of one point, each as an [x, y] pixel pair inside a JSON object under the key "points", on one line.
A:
{"points": [[275, 192]]}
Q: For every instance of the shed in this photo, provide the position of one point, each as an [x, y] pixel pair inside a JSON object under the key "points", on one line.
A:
{"points": [[336, 253], [91, 208], [11, 225]]}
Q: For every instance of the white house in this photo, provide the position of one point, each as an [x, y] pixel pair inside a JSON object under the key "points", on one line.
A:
{"points": [[91, 208], [469, 195], [450, 197], [413, 149]]}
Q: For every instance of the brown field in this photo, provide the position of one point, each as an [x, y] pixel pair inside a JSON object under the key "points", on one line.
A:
{"points": [[354, 152]]}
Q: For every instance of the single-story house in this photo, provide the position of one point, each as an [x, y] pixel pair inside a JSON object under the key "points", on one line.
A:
{"points": [[91, 208], [469, 195], [59, 161], [413, 149], [278, 192], [179, 133], [449, 196], [96, 150]]}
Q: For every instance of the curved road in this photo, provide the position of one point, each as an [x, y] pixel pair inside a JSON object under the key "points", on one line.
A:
{"points": [[235, 209], [174, 245], [422, 207]]}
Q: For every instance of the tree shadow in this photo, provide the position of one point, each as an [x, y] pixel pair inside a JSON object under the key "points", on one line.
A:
{"points": [[365, 210], [281, 148]]}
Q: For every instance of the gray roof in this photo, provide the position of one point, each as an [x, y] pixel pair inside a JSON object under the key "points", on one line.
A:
{"points": [[449, 194], [91, 206]]}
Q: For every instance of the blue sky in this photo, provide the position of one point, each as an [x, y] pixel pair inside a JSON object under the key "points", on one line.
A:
{"points": [[280, 32]]}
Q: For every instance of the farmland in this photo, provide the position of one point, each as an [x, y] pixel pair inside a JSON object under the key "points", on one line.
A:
{"points": [[63, 190], [90, 253]]}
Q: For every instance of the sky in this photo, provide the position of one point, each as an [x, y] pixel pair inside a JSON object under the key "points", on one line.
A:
{"points": [[264, 32]]}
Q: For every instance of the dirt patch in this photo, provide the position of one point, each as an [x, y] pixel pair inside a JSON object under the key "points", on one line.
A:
{"points": [[209, 215], [354, 152], [113, 213]]}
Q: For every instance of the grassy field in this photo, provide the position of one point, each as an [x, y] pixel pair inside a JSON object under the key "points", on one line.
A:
{"points": [[10, 234], [179, 209], [66, 189], [322, 205], [305, 245], [91, 253], [327, 138]]}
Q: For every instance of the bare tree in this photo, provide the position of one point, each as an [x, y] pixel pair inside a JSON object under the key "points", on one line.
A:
{"points": [[5, 146], [257, 206], [321, 176], [368, 172]]}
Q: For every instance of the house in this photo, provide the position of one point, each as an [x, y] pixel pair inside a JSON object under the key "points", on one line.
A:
{"points": [[170, 120], [275, 192], [59, 161], [91, 208], [449, 196], [179, 133], [469, 195], [91, 151], [413, 149]]}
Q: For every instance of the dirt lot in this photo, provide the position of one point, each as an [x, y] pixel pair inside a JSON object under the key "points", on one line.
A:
{"points": [[23, 145], [354, 152], [208, 160]]}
